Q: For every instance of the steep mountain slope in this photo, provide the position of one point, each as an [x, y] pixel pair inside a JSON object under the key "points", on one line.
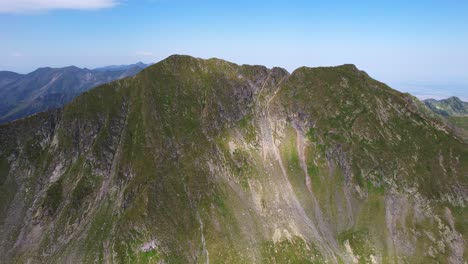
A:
{"points": [[454, 111], [199, 161], [7, 77], [459, 125], [49, 88]]}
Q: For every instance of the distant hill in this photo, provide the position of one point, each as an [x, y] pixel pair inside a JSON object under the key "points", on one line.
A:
{"points": [[47, 88], [138, 65], [452, 106], [455, 111]]}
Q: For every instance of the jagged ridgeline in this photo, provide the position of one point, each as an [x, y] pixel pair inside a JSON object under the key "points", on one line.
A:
{"points": [[205, 161]]}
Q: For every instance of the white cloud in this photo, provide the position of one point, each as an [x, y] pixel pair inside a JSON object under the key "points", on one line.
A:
{"points": [[144, 53], [17, 54], [26, 6]]}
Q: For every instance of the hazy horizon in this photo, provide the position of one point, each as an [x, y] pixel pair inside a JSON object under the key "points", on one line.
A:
{"points": [[395, 42], [421, 89]]}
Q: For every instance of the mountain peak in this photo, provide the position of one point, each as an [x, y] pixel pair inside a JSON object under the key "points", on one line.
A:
{"points": [[454, 99], [349, 66], [195, 159], [71, 68], [452, 106], [179, 59]]}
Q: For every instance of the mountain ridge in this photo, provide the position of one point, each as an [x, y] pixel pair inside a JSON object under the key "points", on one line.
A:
{"points": [[48, 88], [204, 160], [455, 113], [123, 66], [452, 106]]}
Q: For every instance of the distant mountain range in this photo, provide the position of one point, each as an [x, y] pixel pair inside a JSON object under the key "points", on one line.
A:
{"points": [[123, 67], [47, 88], [452, 106]]}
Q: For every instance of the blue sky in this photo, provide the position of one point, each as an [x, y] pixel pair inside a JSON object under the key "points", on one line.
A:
{"points": [[399, 42]]}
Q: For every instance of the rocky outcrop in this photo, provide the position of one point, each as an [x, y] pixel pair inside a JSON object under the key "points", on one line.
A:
{"points": [[207, 161]]}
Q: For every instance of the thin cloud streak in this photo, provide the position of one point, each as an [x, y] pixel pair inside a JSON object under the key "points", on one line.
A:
{"points": [[31, 6]]}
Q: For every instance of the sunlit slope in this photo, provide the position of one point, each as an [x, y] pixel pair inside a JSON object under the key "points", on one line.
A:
{"points": [[198, 161]]}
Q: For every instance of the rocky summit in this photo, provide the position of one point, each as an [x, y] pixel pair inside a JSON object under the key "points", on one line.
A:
{"points": [[206, 161]]}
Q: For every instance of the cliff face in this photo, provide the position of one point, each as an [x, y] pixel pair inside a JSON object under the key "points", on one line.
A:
{"points": [[207, 161]]}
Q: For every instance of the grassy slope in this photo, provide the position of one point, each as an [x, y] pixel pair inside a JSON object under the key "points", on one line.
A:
{"points": [[377, 126], [461, 125], [389, 147], [149, 159]]}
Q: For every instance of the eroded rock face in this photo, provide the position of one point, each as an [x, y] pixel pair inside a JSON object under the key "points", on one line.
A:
{"points": [[207, 161]]}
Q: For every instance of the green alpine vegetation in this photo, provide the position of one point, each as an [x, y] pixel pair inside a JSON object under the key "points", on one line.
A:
{"points": [[206, 161], [452, 106], [455, 113]]}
